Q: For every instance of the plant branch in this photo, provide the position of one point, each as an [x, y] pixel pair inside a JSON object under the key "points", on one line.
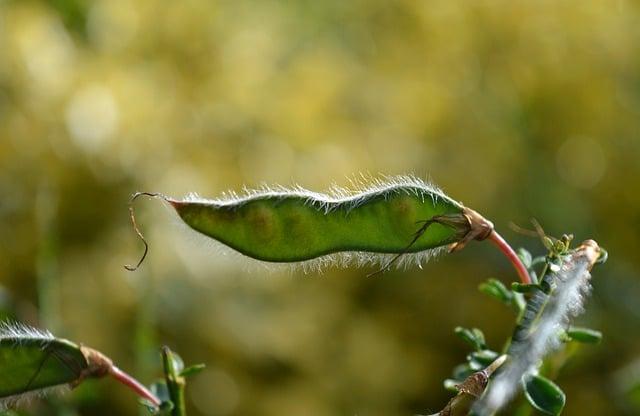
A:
{"points": [[175, 383]]}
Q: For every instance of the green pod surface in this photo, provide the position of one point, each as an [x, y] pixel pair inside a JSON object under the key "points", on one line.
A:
{"points": [[32, 362], [298, 225]]}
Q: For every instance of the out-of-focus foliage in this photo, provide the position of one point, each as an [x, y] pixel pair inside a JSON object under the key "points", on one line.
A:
{"points": [[543, 394], [519, 109]]}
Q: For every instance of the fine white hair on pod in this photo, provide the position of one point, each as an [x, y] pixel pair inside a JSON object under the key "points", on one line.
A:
{"points": [[19, 400], [361, 188], [17, 333]]}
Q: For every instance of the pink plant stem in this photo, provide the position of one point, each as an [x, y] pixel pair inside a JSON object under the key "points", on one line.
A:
{"points": [[511, 255], [134, 385]]}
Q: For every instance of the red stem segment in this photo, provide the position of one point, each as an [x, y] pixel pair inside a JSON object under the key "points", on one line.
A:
{"points": [[134, 385], [506, 249]]}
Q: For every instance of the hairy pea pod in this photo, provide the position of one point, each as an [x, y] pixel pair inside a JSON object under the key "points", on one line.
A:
{"points": [[35, 363], [41, 362], [402, 218]]}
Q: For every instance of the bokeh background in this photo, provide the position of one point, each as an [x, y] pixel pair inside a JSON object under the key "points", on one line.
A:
{"points": [[519, 109]]}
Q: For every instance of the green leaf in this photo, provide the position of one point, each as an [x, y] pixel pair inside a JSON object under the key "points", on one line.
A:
{"points": [[497, 290], [543, 394], [473, 337], [525, 257], [548, 243], [538, 260], [481, 359], [524, 288], [160, 390], [584, 335], [192, 370], [518, 300], [177, 363]]}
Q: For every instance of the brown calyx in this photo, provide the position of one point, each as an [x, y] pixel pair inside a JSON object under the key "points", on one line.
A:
{"points": [[98, 365], [479, 229]]}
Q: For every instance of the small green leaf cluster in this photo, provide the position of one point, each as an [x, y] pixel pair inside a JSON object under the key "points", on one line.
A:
{"points": [[540, 392], [170, 390], [583, 335], [543, 394], [480, 357]]}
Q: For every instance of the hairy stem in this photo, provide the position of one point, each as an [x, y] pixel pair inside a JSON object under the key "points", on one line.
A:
{"points": [[506, 249]]}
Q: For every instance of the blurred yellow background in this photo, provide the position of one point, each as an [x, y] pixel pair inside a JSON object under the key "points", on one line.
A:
{"points": [[518, 109]]}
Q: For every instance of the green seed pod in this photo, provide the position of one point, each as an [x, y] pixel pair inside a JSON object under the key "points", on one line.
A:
{"points": [[402, 217], [34, 363]]}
